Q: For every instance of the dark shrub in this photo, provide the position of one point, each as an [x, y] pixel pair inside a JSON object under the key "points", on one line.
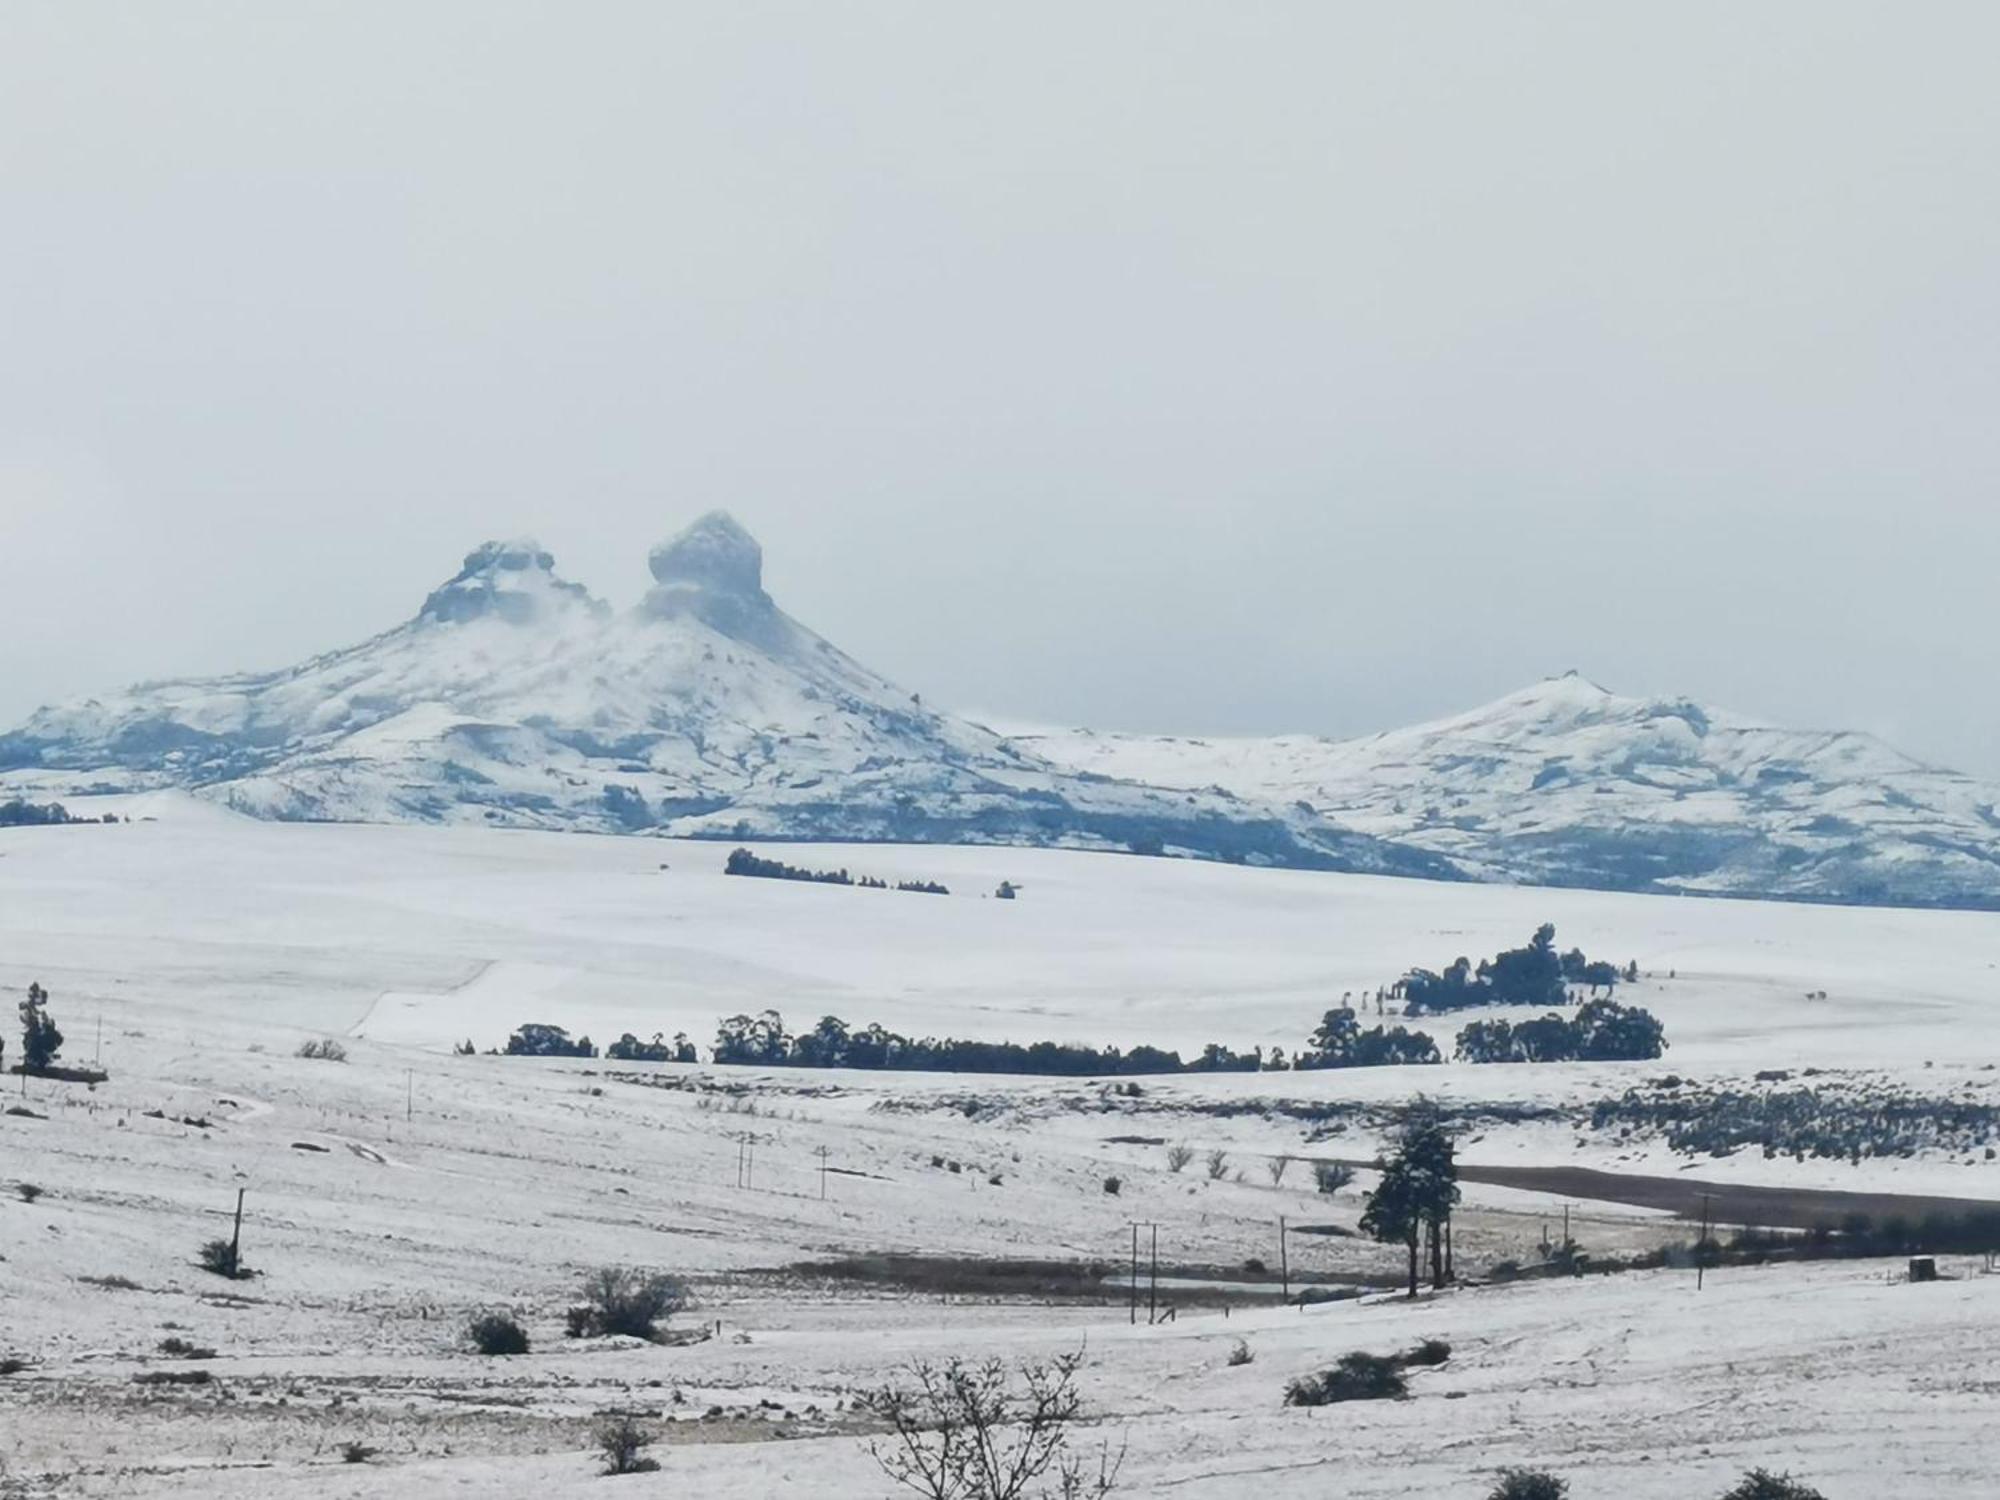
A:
{"points": [[1113, 1183], [1240, 1354], [220, 1257], [623, 1443], [179, 1348], [1358, 1377], [1331, 1176], [497, 1333], [1429, 1352], [1528, 1484], [356, 1453], [325, 1049], [1761, 1484], [173, 1377], [27, 1192], [623, 1300], [12, 1366]]}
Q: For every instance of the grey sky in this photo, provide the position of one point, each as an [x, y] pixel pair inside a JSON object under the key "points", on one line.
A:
{"points": [[1216, 368]]}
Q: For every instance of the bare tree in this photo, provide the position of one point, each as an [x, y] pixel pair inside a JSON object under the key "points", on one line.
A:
{"points": [[1218, 1163], [969, 1432], [1178, 1156], [623, 1442], [1277, 1168]]}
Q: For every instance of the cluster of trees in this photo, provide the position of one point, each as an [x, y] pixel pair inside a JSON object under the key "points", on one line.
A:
{"points": [[628, 1048], [743, 862], [1600, 1031], [1416, 1193], [1534, 975], [20, 813], [1341, 1043], [536, 1040]]}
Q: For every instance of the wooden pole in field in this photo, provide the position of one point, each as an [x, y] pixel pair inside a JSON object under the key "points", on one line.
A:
{"points": [[1284, 1258], [236, 1238], [1132, 1288]]}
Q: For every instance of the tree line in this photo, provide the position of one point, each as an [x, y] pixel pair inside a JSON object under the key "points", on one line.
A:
{"points": [[18, 812], [743, 862], [1601, 1030]]}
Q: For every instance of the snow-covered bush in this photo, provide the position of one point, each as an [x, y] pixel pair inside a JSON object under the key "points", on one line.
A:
{"points": [[1761, 1484], [1358, 1377], [623, 1443], [623, 1300]]}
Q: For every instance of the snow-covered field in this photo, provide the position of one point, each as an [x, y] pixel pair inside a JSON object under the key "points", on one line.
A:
{"points": [[388, 1196]]}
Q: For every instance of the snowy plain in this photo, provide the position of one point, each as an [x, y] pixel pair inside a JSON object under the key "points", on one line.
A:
{"points": [[389, 1196]]}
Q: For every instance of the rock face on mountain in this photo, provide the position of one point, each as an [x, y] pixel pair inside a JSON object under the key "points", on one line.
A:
{"points": [[1567, 784], [515, 698]]}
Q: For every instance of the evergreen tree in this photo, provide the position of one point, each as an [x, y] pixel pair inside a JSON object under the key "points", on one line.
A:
{"points": [[1394, 1211], [40, 1039]]}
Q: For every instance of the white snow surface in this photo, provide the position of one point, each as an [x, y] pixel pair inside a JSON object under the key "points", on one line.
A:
{"points": [[390, 1196]]}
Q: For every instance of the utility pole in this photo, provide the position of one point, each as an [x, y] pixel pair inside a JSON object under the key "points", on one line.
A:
{"points": [[236, 1238], [1284, 1258], [1701, 1245], [1132, 1282], [409, 1093], [1153, 1280], [822, 1174]]}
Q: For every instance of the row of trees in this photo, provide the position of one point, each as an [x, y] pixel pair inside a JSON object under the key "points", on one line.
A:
{"points": [[763, 1040], [743, 862], [1534, 975], [1600, 1031]]}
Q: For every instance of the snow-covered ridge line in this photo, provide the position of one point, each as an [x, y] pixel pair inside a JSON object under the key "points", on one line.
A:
{"points": [[1564, 783], [514, 697]]}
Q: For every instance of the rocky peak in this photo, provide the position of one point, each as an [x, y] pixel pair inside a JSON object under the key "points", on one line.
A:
{"points": [[513, 581], [713, 570]]}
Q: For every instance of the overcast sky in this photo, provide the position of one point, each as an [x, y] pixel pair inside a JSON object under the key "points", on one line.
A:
{"points": [[1232, 367]]}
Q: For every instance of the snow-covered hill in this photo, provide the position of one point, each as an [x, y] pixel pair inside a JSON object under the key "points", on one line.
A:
{"points": [[515, 698], [1567, 784]]}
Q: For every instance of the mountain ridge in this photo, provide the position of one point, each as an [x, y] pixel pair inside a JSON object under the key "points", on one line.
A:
{"points": [[1566, 783], [516, 697]]}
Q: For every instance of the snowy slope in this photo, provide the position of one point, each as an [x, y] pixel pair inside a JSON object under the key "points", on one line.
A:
{"points": [[515, 698], [1567, 784]]}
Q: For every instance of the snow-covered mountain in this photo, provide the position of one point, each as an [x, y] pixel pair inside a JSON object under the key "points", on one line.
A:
{"points": [[1567, 784], [514, 697]]}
